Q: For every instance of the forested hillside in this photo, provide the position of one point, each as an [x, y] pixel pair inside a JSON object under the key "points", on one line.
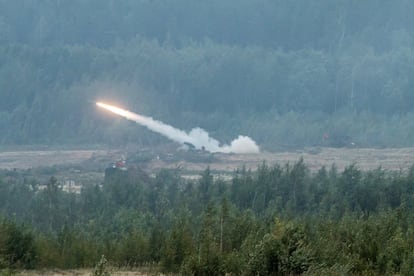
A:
{"points": [[283, 72]]}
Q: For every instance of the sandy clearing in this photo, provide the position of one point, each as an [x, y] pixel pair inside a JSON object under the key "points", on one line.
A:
{"points": [[365, 159], [315, 158], [47, 158]]}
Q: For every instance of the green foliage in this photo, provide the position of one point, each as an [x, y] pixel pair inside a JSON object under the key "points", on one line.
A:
{"points": [[17, 246], [101, 268], [132, 250], [297, 71], [296, 222], [286, 250], [178, 246]]}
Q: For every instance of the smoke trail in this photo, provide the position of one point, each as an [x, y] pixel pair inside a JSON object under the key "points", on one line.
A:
{"points": [[197, 136]]}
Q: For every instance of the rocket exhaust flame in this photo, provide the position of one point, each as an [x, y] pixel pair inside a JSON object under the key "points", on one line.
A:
{"points": [[122, 112], [197, 136]]}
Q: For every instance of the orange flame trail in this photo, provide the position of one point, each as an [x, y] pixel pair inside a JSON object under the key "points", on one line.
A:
{"points": [[117, 110], [154, 125], [197, 136]]}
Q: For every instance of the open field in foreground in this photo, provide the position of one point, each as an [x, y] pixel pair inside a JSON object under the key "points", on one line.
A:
{"points": [[77, 272]]}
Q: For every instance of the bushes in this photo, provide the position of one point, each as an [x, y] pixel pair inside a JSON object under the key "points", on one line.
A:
{"points": [[17, 247], [285, 250]]}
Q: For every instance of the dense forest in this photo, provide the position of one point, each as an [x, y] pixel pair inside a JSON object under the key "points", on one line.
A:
{"points": [[283, 72], [288, 74], [276, 220]]}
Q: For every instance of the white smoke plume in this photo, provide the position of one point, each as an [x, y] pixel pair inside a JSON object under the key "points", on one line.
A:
{"points": [[197, 136]]}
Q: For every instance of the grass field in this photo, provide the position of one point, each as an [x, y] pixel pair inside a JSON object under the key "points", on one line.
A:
{"points": [[315, 158]]}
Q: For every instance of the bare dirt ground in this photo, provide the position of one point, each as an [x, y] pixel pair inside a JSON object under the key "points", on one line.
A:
{"points": [[47, 158], [315, 158]]}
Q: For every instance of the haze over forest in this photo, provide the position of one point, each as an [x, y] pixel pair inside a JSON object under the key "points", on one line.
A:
{"points": [[282, 72], [288, 74]]}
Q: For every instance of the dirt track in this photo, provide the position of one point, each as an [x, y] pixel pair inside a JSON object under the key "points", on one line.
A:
{"points": [[315, 158], [46, 158]]}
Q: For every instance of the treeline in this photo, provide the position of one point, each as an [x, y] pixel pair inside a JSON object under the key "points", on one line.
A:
{"points": [[291, 25], [283, 72], [288, 98], [278, 219]]}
